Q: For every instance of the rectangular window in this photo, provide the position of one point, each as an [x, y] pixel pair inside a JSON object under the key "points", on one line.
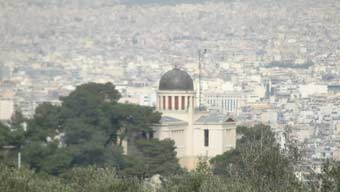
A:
{"points": [[183, 102], [169, 103], [176, 102], [206, 137]]}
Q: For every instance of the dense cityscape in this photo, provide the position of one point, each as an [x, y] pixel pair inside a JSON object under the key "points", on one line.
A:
{"points": [[259, 61]]}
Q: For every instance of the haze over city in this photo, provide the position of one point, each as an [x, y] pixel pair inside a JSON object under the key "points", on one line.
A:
{"points": [[225, 64]]}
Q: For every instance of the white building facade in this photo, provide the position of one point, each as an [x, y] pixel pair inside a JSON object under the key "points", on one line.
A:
{"points": [[197, 134], [6, 109], [228, 103]]}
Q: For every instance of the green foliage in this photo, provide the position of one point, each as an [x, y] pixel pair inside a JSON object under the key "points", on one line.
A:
{"points": [[80, 142], [330, 177], [45, 122], [130, 121], [255, 165], [78, 180], [48, 158], [152, 157], [218, 184], [24, 180], [88, 128], [57, 162], [187, 182], [17, 119], [11, 139], [4, 133], [258, 161], [92, 93], [101, 180], [202, 180], [89, 102]]}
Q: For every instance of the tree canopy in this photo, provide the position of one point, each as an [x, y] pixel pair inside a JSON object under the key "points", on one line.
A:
{"points": [[258, 161], [87, 129]]}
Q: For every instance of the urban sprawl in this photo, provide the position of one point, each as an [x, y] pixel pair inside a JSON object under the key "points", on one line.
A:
{"points": [[262, 61]]}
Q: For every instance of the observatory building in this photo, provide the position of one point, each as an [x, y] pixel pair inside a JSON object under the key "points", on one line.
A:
{"points": [[197, 134]]}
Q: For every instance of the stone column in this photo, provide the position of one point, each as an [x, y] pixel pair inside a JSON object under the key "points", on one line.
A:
{"points": [[166, 103], [185, 103], [180, 103], [159, 103]]}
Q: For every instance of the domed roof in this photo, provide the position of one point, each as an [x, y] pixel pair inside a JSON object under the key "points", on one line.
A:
{"points": [[176, 79]]}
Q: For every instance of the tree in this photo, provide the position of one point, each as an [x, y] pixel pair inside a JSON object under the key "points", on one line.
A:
{"points": [[152, 157], [91, 179], [17, 120], [133, 121], [86, 179], [25, 180], [46, 122], [4, 132], [75, 133], [89, 102], [88, 129], [11, 140], [201, 180], [36, 153], [258, 161], [4, 135], [330, 177]]}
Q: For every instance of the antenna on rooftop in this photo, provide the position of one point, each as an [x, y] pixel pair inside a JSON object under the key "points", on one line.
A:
{"points": [[201, 54]]}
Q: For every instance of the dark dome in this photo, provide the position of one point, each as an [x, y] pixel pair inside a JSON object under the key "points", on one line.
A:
{"points": [[176, 79]]}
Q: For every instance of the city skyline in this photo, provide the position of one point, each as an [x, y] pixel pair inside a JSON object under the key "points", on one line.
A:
{"points": [[259, 61]]}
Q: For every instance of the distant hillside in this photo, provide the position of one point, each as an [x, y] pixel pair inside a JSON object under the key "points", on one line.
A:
{"points": [[100, 3], [169, 2]]}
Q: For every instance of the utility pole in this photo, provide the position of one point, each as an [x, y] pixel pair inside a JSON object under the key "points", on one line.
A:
{"points": [[201, 54], [19, 160]]}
